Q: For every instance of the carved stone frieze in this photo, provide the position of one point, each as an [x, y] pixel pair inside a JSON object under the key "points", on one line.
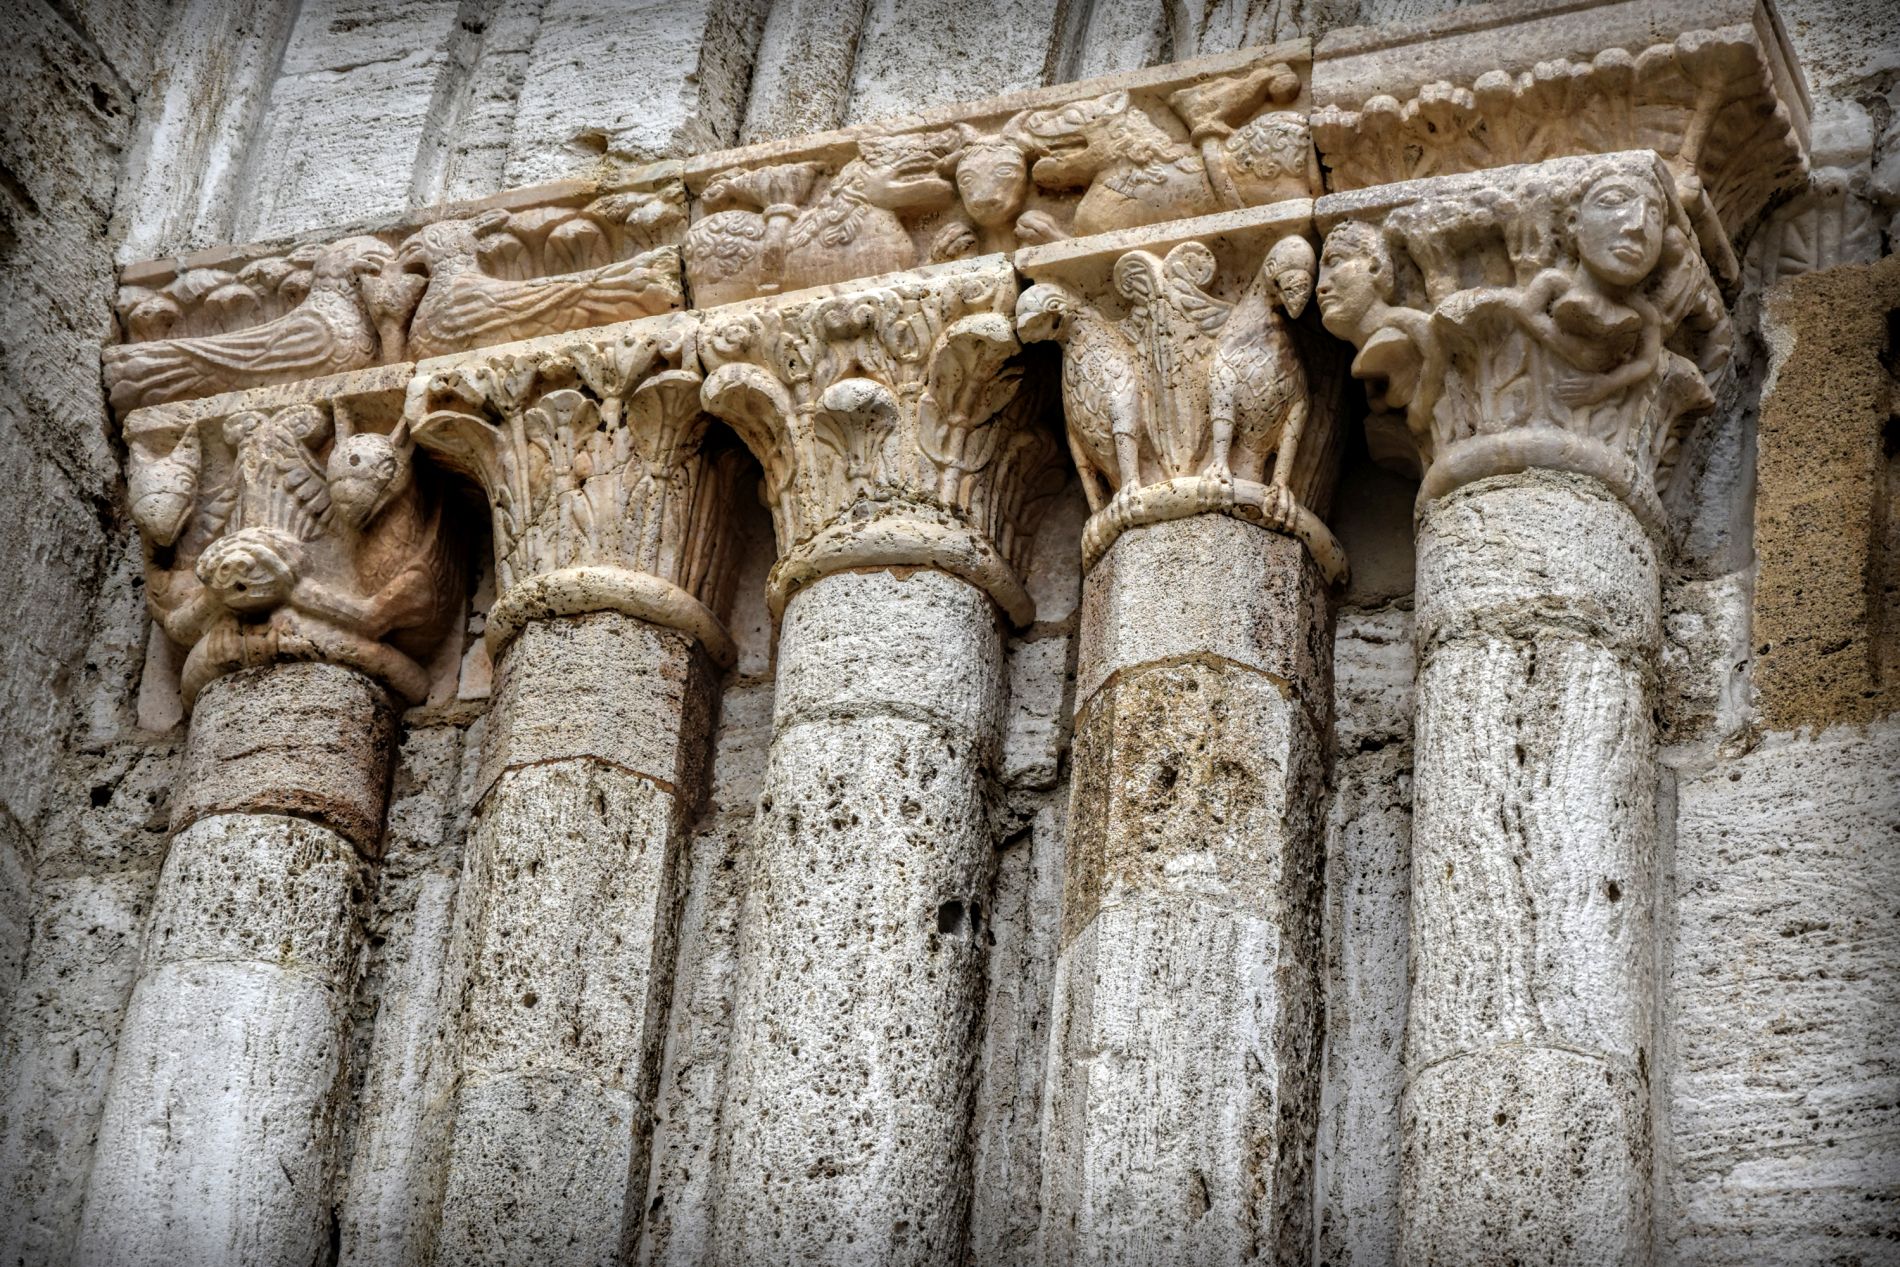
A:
{"points": [[1500, 85], [293, 524], [470, 277], [1185, 377], [1556, 315], [888, 419], [604, 491], [1111, 153]]}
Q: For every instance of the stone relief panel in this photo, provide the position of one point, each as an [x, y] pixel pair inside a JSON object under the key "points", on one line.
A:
{"points": [[294, 525], [1035, 167], [890, 424], [605, 490], [1720, 102], [1557, 314], [469, 278], [1185, 375]]}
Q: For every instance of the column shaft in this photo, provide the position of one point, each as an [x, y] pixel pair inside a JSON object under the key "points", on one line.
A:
{"points": [[1533, 841], [861, 970], [590, 774], [216, 1145], [1183, 1080]]}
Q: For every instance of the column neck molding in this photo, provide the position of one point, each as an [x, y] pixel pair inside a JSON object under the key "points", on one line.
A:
{"points": [[1557, 315], [603, 490], [291, 524], [888, 419], [1185, 375]]}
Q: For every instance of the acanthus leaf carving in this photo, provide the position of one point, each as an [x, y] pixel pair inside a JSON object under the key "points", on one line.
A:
{"points": [[1557, 314], [1185, 375], [890, 422], [603, 491], [292, 530]]}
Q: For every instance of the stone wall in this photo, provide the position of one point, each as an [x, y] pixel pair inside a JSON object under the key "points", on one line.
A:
{"points": [[139, 131]]}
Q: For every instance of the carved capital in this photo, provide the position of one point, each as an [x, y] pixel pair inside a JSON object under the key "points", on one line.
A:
{"points": [[293, 525], [604, 493], [887, 417], [1710, 85], [1556, 315], [1187, 380]]}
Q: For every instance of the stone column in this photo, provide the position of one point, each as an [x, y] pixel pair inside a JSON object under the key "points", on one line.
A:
{"points": [[306, 587], [607, 508], [904, 489], [1183, 1083], [1547, 413]]}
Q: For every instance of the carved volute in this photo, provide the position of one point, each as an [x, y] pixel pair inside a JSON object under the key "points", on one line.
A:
{"points": [[887, 416], [1188, 385], [1555, 315], [604, 491], [286, 527]]}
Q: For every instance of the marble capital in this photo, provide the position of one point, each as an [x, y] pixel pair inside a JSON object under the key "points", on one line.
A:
{"points": [[887, 416], [605, 490], [1189, 385], [292, 524], [1556, 315]]}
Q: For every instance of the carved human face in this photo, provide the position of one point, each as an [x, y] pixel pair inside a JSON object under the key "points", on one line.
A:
{"points": [[1620, 229], [251, 570], [993, 180], [1354, 275]]}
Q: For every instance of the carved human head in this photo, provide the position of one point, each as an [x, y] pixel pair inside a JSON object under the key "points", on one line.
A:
{"points": [[993, 181], [1619, 227], [1355, 273]]}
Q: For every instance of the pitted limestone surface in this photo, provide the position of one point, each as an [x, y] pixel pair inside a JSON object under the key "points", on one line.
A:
{"points": [[312, 740], [1194, 780], [594, 686]]}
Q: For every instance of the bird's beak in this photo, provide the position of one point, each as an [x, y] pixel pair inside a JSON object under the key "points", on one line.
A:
{"points": [[1296, 289]]}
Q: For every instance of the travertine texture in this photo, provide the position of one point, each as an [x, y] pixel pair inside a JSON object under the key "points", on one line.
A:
{"points": [[862, 941], [566, 932], [1183, 1088], [1533, 853]]}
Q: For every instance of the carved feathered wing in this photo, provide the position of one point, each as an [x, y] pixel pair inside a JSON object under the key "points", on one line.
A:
{"points": [[306, 342]]}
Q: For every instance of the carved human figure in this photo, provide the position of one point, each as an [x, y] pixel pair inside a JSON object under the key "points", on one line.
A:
{"points": [[1356, 288], [262, 550]]}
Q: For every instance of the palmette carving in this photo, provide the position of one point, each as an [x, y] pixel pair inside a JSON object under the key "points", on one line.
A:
{"points": [[1554, 315], [1705, 101], [890, 425], [454, 284], [285, 533], [999, 179], [1185, 386], [603, 489]]}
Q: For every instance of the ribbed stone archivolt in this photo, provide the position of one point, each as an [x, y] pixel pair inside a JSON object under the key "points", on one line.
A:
{"points": [[1547, 331]]}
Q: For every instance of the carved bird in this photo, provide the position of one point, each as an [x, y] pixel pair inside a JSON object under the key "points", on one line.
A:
{"points": [[163, 488], [466, 307], [1257, 397], [1102, 387], [329, 332]]}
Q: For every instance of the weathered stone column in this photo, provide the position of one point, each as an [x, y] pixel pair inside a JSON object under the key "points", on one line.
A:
{"points": [[1183, 1083], [904, 489], [306, 587], [607, 511], [1546, 408]]}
